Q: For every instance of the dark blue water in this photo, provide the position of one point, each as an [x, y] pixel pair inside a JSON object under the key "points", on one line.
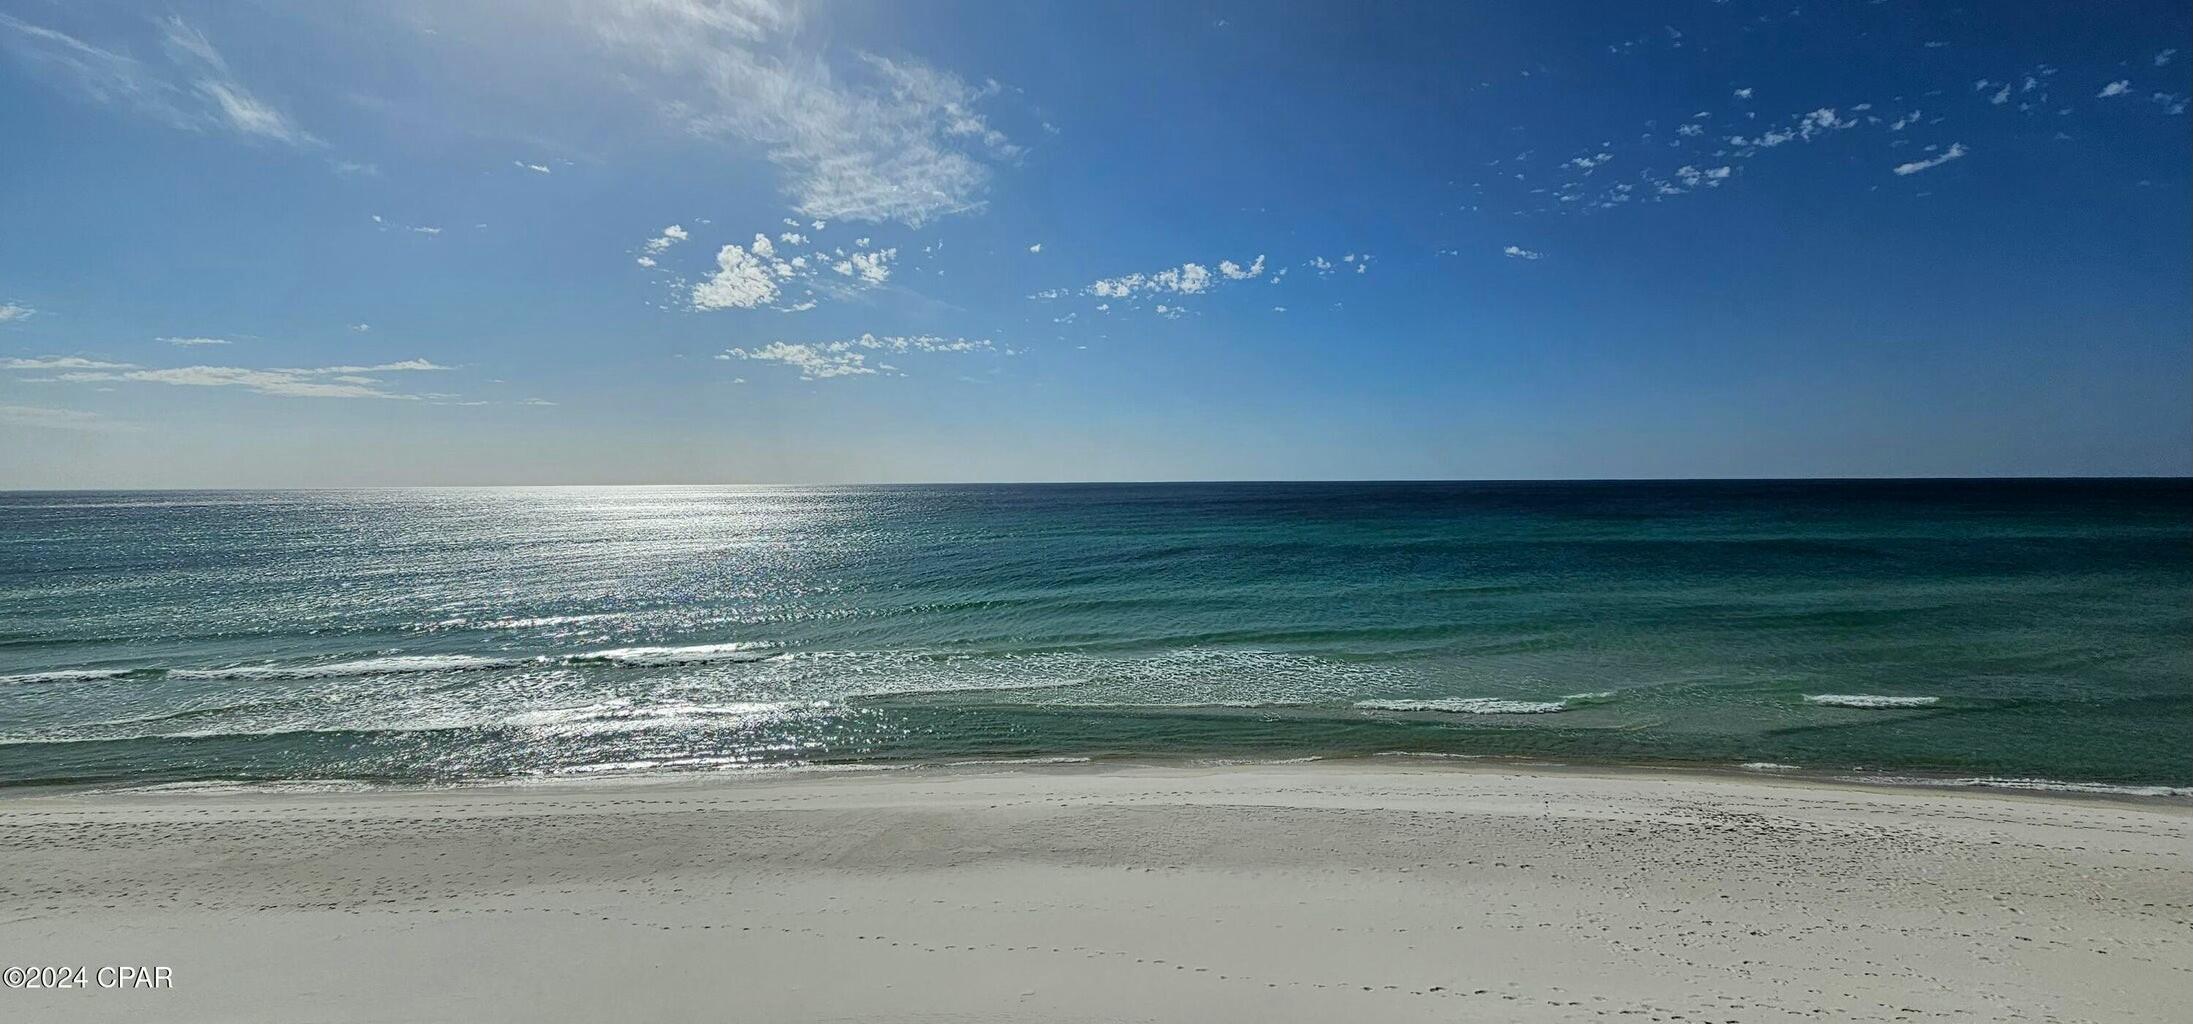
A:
{"points": [[2017, 629]]}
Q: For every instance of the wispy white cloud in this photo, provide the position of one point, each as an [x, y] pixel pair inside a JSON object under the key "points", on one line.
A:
{"points": [[12, 311], [871, 266], [871, 138], [1517, 252], [191, 86], [195, 342], [1703, 177], [1232, 271], [46, 418], [383, 224], [851, 357], [286, 383], [1186, 279], [814, 362], [59, 363], [1955, 151], [1711, 157], [1803, 129], [656, 246], [535, 168], [1582, 184], [1038, 247], [401, 365], [315, 382], [2116, 88]]}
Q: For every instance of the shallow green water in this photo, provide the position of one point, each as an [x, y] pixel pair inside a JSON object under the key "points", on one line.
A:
{"points": [[1965, 628]]}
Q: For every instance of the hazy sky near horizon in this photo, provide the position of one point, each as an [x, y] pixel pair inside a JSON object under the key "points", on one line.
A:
{"points": [[632, 241]]}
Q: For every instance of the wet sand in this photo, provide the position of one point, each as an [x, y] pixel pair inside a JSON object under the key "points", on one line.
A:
{"points": [[1373, 891]]}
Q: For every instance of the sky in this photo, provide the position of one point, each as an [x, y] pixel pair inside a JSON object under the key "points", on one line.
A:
{"points": [[263, 243]]}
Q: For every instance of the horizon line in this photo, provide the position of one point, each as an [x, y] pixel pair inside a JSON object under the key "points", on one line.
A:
{"points": [[1244, 481]]}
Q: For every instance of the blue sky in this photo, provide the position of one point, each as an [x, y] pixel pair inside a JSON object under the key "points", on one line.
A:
{"points": [[680, 241]]}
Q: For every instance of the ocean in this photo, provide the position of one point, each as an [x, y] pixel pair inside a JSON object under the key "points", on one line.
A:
{"points": [[2011, 632]]}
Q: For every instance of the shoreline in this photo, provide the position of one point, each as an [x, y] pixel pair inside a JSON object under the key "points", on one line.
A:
{"points": [[1862, 779]]}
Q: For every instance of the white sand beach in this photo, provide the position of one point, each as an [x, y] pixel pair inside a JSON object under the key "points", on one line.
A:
{"points": [[1379, 890]]}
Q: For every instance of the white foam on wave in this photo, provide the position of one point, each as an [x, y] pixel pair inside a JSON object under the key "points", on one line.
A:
{"points": [[66, 675], [984, 762], [405, 664], [257, 730], [1467, 706], [622, 715], [537, 621], [217, 787], [1767, 766], [669, 765], [653, 657], [920, 688], [617, 715], [1869, 700], [562, 716], [1488, 705], [2035, 785], [1182, 705]]}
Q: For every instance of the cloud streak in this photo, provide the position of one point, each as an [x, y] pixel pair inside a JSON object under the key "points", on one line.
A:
{"points": [[315, 382], [850, 357], [1956, 151], [656, 246], [870, 139], [191, 86], [47, 418], [1185, 279], [1195, 279]]}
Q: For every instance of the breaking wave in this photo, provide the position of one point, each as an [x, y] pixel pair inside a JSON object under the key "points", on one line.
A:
{"points": [[651, 657], [66, 675], [1869, 700], [397, 665], [1488, 705], [2030, 785]]}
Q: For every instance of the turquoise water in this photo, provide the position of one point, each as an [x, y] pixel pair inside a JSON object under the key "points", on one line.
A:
{"points": [[2019, 629]]}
